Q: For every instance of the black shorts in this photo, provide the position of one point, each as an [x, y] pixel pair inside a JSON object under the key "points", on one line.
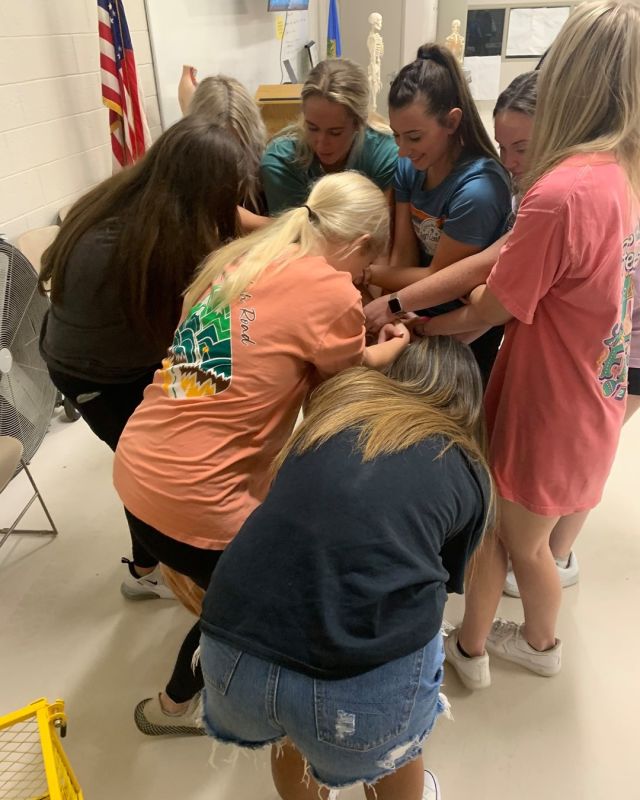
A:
{"points": [[634, 380]]}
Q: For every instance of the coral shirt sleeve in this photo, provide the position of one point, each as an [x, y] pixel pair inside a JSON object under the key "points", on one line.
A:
{"points": [[342, 344], [534, 259]]}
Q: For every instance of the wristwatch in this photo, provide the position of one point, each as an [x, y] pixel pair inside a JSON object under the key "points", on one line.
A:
{"points": [[395, 306]]}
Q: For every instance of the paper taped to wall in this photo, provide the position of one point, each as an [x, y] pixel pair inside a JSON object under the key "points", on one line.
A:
{"points": [[532, 30], [485, 76]]}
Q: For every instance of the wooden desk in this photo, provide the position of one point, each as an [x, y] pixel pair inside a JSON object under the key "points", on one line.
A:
{"points": [[280, 104]]}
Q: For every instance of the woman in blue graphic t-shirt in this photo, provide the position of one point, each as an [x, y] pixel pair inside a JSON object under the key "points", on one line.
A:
{"points": [[453, 197]]}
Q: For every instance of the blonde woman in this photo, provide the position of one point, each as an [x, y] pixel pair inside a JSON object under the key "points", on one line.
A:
{"points": [[381, 497], [269, 317], [564, 286], [334, 133], [225, 102]]}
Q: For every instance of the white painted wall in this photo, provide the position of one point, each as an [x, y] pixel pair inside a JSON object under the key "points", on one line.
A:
{"points": [[54, 134], [420, 25], [234, 37], [406, 24], [511, 68]]}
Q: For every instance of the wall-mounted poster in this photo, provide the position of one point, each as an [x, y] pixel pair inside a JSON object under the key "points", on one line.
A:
{"points": [[485, 27], [532, 30]]}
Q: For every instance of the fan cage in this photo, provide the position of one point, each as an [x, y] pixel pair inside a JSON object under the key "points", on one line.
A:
{"points": [[27, 395]]}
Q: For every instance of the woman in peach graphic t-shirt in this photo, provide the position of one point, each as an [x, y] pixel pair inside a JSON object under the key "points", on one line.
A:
{"points": [[268, 318]]}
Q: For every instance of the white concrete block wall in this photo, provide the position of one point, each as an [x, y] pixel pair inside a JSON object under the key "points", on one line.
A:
{"points": [[54, 135]]}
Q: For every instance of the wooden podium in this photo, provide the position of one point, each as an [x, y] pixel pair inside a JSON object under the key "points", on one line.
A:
{"points": [[280, 104]]}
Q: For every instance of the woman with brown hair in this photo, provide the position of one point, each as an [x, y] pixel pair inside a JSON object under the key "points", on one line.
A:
{"points": [[452, 194], [117, 270]]}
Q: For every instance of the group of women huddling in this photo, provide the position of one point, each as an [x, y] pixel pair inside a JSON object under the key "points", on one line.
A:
{"points": [[456, 430]]}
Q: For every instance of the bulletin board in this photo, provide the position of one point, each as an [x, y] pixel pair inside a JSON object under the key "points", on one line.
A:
{"points": [[239, 38]]}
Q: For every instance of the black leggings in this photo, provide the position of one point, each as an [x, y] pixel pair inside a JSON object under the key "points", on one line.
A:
{"points": [[106, 408], [197, 564], [485, 349]]}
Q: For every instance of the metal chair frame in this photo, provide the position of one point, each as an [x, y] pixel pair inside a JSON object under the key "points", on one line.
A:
{"points": [[6, 532]]}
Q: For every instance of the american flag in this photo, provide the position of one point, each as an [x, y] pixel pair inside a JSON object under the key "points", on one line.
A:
{"points": [[130, 135]]}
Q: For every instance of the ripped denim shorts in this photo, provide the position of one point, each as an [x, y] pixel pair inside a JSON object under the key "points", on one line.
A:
{"points": [[350, 731]]}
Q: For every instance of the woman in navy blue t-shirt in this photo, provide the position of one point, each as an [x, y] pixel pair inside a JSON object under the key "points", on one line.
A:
{"points": [[321, 625], [453, 196]]}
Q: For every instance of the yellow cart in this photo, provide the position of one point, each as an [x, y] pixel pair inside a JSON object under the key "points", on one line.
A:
{"points": [[33, 765]]}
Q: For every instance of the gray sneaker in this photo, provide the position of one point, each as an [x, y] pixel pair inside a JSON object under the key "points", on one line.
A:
{"points": [[473, 672], [506, 641], [152, 720]]}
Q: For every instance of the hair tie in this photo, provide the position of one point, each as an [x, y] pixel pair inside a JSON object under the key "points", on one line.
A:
{"points": [[313, 217], [431, 54]]}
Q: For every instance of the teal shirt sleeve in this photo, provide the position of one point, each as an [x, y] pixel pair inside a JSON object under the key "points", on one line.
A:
{"points": [[403, 180], [379, 158], [285, 183]]}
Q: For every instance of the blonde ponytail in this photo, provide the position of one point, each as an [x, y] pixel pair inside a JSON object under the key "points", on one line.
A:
{"points": [[341, 209]]}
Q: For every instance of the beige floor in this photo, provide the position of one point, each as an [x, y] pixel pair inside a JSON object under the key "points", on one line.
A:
{"points": [[65, 631]]}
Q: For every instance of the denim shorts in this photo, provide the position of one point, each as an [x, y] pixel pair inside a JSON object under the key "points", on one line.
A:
{"points": [[349, 731]]}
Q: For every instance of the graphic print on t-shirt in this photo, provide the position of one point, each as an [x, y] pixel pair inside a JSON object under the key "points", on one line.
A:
{"points": [[428, 229], [614, 362], [199, 360]]}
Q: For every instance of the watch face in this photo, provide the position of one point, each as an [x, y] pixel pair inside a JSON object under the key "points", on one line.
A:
{"points": [[394, 305]]}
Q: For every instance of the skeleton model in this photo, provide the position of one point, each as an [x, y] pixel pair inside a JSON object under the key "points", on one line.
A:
{"points": [[455, 41], [375, 45]]}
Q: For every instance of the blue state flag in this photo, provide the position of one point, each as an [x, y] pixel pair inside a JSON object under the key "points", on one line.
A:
{"points": [[334, 45]]}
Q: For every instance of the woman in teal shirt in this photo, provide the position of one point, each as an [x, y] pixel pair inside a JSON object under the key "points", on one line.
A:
{"points": [[333, 134]]}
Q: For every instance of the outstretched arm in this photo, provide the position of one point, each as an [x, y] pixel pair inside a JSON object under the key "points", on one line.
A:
{"points": [[433, 288], [251, 222], [484, 310]]}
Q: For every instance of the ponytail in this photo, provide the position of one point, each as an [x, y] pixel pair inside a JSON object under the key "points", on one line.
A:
{"points": [[436, 77], [341, 208]]}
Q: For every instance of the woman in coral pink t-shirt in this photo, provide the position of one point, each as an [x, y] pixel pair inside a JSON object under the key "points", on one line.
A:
{"points": [[564, 284]]}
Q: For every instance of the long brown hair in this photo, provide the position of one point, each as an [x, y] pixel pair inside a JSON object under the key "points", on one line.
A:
{"points": [[434, 389], [172, 208], [436, 78]]}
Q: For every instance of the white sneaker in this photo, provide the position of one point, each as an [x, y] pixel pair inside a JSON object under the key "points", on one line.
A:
{"points": [[431, 786], [506, 640], [473, 672], [149, 587], [568, 574]]}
